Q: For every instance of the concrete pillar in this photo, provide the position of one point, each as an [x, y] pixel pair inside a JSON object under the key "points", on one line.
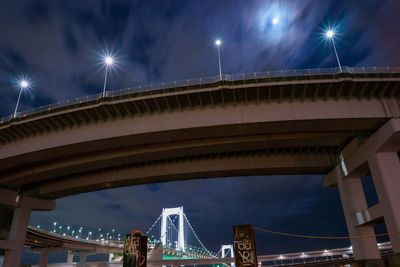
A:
{"points": [[19, 226], [110, 257], [44, 259], [22, 206], [353, 200], [82, 260], [385, 170], [70, 257]]}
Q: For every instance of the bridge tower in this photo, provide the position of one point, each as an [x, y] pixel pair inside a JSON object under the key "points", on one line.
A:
{"points": [[181, 230], [225, 249]]}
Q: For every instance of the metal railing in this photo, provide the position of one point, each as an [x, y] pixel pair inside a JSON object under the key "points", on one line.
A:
{"points": [[204, 81]]}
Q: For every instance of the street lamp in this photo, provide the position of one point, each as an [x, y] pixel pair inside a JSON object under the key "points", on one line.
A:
{"points": [[68, 227], [218, 43], [330, 35], [54, 226], [23, 84], [108, 61]]}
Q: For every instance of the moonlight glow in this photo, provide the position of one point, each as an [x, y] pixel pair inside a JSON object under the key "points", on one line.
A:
{"points": [[275, 20]]}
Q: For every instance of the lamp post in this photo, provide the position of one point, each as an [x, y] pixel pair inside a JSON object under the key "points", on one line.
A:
{"points": [[330, 35], [108, 61], [54, 226], [23, 84], [218, 43]]}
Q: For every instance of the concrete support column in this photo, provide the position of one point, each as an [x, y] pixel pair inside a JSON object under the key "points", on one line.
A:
{"points": [[82, 260], [70, 257], [353, 200], [12, 258], [385, 170], [44, 259], [22, 206]]}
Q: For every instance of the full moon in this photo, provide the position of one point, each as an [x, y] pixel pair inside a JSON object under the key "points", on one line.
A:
{"points": [[275, 20]]}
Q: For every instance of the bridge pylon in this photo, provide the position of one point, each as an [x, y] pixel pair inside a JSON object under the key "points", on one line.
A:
{"points": [[225, 250], [181, 230]]}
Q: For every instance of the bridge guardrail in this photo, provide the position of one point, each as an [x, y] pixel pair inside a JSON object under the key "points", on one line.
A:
{"points": [[204, 81]]}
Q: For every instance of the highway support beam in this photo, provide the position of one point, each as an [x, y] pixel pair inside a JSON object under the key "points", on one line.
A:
{"points": [[82, 260], [44, 254], [70, 257], [22, 206], [377, 155], [353, 199], [44, 259]]}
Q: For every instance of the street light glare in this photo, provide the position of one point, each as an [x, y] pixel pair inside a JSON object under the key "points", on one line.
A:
{"points": [[218, 42], [24, 84], [329, 34], [275, 20], [108, 60]]}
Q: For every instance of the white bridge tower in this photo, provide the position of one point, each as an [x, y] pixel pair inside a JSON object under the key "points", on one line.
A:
{"points": [[181, 230], [225, 250]]}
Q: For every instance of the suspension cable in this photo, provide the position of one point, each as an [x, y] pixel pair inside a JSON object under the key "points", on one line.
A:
{"points": [[198, 239], [322, 237], [154, 224]]}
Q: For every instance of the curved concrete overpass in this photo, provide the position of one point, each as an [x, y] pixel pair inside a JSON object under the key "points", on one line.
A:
{"points": [[260, 125]]}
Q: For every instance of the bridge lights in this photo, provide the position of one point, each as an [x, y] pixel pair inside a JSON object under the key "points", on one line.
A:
{"points": [[330, 35], [23, 84], [108, 61], [218, 43]]}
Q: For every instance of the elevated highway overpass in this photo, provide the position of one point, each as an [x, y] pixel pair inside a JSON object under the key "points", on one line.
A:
{"points": [[259, 125], [330, 122]]}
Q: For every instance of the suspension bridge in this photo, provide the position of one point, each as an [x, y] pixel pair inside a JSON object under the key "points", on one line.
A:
{"points": [[172, 241], [174, 231]]}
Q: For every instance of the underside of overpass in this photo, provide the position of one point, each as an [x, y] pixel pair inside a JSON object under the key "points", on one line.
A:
{"points": [[293, 125]]}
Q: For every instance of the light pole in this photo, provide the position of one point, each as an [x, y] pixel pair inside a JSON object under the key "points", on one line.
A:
{"points": [[330, 35], [68, 227], [54, 226], [218, 43], [23, 84], [108, 61]]}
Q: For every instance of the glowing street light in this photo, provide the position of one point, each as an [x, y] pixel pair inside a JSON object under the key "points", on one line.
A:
{"points": [[275, 21], [23, 84], [330, 35], [218, 43], [54, 226], [108, 61]]}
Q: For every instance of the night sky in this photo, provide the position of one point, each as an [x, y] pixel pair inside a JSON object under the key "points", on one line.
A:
{"points": [[58, 45]]}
